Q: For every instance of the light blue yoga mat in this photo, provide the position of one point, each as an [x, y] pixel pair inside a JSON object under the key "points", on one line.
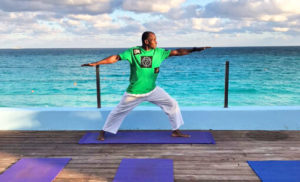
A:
{"points": [[277, 171]]}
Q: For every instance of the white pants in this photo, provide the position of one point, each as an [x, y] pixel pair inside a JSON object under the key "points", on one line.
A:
{"points": [[128, 102]]}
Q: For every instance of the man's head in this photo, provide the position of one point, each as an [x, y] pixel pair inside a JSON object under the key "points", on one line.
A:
{"points": [[149, 40]]}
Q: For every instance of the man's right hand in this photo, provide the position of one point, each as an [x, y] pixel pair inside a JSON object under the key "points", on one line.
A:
{"points": [[88, 64]]}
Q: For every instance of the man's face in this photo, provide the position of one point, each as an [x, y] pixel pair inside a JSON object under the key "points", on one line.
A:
{"points": [[151, 41]]}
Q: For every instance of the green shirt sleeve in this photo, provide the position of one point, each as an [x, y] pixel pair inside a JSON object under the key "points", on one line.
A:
{"points": [[126, 55], [164, 53]]}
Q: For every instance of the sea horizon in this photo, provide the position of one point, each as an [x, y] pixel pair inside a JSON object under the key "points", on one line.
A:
{"points": [[139, 45]]}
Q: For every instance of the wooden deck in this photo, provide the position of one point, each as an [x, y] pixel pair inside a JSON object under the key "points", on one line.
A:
{"points": [[224, 161]]}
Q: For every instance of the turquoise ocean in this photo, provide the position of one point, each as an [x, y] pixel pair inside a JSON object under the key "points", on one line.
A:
{"points": [[259, 76]]}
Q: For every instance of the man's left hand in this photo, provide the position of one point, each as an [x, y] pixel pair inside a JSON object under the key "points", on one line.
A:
{"points": [[200, 48]]}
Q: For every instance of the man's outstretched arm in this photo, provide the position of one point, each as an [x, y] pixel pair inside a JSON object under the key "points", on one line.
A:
{"points": [[109, 60], [182, 52]]}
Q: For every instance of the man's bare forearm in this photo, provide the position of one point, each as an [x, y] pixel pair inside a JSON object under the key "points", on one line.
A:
{"points": [[109, 60], [182, 52]]}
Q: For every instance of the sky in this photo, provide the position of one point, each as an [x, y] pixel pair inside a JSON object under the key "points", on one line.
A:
{"points": [[176, 23]]}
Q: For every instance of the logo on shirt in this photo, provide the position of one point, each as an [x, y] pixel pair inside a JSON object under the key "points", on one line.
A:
{"points": [[136, 51], [146, 61]]}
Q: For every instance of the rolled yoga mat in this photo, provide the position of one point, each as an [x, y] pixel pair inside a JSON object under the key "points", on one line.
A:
{"points": [[144, 137], [34, 170], [145, 170], [279, 171]]}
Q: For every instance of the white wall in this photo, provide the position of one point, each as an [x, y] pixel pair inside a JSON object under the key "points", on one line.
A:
{"points": [[152, 118]]}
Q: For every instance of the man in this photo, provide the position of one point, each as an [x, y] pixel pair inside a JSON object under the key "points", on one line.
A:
{"points": [[144, 67]]}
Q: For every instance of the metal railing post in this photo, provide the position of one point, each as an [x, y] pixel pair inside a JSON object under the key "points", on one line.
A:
{"points": [[226, 85], [98, 86]]}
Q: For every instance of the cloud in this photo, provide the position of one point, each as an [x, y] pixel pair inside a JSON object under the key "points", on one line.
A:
{"points": [[90, 24], [18, 22], [129, 26], [273, 18], [288, 6], [190, 11], [59, 6], [208, 24], [91, 7], [266, 10], [161, 6], [67, 20], [280, 29], [249, 16], [169, 28], [237, 9]]}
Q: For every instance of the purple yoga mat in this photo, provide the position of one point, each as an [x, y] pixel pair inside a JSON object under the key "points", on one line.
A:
{"points": [[145, 170], [143, 137], [34, 170]]}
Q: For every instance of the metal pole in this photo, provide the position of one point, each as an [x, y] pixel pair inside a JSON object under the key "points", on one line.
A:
{"points": [[98, 86], [226, 85]]}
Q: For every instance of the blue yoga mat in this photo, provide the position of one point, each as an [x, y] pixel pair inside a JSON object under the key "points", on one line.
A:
{"points": [[34, 170], [145, 170], [279, 171], [144, 137]]}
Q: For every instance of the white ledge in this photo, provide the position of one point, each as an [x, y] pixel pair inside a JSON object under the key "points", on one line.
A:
{"points": [[153, 118]]}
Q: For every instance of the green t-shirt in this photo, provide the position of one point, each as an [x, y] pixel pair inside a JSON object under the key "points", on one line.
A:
{"points": [[144, 68]]}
